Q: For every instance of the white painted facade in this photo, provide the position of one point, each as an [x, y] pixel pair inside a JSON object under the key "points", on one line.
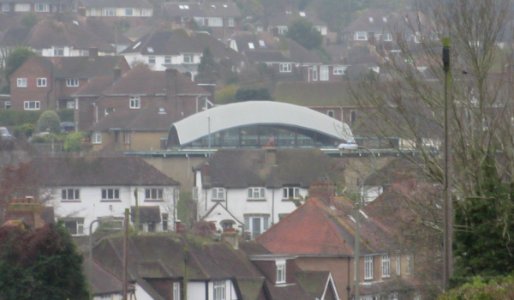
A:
{"points": [[162, 62], [119, 12], [90, 206], [257, 214]]}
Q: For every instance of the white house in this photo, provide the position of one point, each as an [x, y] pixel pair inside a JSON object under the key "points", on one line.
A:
{"points": [[113, 8], [82, 190], [253, 189]]}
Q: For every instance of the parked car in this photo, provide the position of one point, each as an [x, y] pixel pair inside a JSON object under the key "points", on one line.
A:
{"points": [[5, 134]]}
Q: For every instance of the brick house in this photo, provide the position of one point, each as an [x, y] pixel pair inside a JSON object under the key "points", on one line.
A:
{"points": [[48, 83], [30, 6], [135, 112]]}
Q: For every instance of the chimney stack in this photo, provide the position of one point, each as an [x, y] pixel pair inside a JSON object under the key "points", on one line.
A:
{"points": [[116, 73]]}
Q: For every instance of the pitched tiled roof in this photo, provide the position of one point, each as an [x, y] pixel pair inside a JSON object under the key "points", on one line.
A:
{"points": [[241, 168], [166, 42], [149, 119], [142, 81], [206, 260], [97, 171], [83, 67], [315, 94], [102, 282], [322, 230]]}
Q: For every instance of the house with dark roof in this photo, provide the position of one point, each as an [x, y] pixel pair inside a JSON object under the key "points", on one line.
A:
{"points": [[286, 58], [84, 189], [115, 8], [220, 18], [322, 237], [253, 189], [179, 49], [137, 109], [47, 83], [173, 266]]}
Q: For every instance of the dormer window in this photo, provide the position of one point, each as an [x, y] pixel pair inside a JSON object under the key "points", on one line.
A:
{"points": [[281, 271], [218, 194], [360, 36]]}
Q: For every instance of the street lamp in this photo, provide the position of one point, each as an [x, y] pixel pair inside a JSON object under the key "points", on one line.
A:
{"points": [[356, 215]]}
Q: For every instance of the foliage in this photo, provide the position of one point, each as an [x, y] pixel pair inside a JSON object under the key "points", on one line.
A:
{"points": [[24, 130], [73, 141], [479, 288], [29, 20], [186, 208], [208, 68], [16, 118], [304, 33], [40, 264], [15, 59], [246, 94], [66, 115], [227, 94], [49, 121]]}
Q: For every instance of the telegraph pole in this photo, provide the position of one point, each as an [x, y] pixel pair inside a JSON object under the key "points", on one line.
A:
{"points": [[448, 207], [125, 254]]}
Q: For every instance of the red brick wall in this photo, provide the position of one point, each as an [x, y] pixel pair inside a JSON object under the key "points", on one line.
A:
{"points": [[31, 69]]}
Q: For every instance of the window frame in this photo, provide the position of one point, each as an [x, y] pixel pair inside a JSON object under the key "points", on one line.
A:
{"points": [[248, 225], [219, 290], [27, 105], [368, 267], [151, 59], [79, 225], [72, 82], [41, 7], [286, 191], [281, 269], [70, 195], [190, 58], [176, 290], [360, 36], [154, 194], [338, 70], [285, 67], [96, 138], [134, 102], [21, 82], [41, 82], [398, 265], [218, 194], [256, 194], [110, 195], [386, 266]]}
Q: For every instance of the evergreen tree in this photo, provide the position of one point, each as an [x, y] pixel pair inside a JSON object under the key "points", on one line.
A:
{"points": [[40, 264], [208, 68], [304, 33]]}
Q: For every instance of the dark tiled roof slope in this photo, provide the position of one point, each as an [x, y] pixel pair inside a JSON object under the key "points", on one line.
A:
{"points": [[243, 168], [98, 171], [86, 67]]}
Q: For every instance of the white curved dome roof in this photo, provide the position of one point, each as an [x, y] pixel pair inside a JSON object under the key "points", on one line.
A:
{"points": [[248, 113]]}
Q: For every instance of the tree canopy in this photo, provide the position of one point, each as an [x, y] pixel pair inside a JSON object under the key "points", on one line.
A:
{"points": [[304, 33], [49, 121], [40, 264], [15, 59]]}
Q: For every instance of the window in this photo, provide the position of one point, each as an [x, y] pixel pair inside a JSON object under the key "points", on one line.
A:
{"points": [[330, 113], [127, 138], [256, 193], [110, 194], [398, 264], [108, 110], [231, 22], [41, 82], [255, 225], [31, 105], [219, 290], [410, 264], [176, 291], [96, 138], [135, 102], [388, 37], [194, 193], [75, 226], [70, 104], [281, 271], [218, 194], [368, 267], [323, 73], [128, 12], [21, 82], [72, 82], [165, 222], [153, 194], [386, 264], [58, 51], [360, 36], [70, 195], [188, 58], [314, 73], [109, 12], [285, 67], [338, 70], [290, 193], [167, 59], [151, 60], [41, 7]]}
